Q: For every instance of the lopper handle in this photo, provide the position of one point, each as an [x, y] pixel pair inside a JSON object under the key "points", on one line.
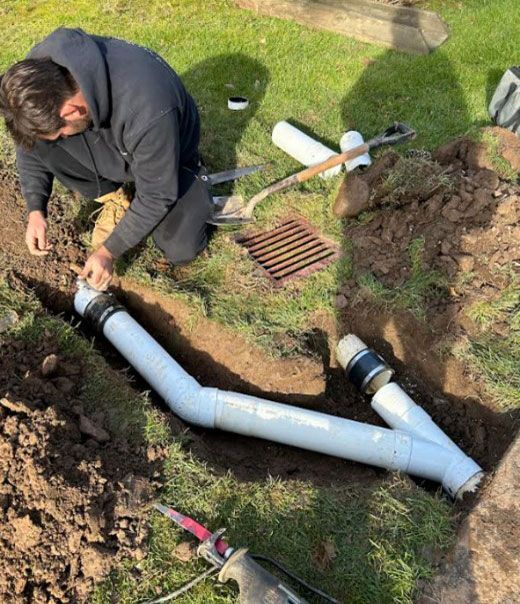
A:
{"points": [[257, 585]]}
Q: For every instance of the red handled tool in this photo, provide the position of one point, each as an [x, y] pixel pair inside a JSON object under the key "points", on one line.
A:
{"points": [[256, 584], [193, 527]]}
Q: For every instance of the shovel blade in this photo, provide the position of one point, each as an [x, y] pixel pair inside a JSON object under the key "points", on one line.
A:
{"points": [[219, 219], [229, 210], [228, 204]]}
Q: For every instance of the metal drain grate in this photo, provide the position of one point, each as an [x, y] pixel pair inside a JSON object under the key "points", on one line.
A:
{"points": [[293, 249]]}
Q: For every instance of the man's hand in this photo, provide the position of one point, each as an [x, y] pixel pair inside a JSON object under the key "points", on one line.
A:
{"points": [[98, 269], [36, 234]]}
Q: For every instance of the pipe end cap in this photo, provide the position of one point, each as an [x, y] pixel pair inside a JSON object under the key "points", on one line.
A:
{"points": [[470, 486], [462, 476], [347, 349]]}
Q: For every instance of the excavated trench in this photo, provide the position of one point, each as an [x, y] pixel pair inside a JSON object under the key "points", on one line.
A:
{"points": [[219, 358]]}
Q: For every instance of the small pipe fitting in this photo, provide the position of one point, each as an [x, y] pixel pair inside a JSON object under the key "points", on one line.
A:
{"points": [[363, 366]]}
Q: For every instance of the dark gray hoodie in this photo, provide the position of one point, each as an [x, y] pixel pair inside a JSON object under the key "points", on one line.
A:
{"points": [[144, 127]]}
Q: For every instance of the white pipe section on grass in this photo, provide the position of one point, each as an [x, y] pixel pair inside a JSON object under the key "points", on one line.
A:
{"points": [[302, 147], [351, 140], [260, 418]]}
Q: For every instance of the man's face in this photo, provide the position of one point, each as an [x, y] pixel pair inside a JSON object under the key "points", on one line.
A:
{"points": [[73, 126]]}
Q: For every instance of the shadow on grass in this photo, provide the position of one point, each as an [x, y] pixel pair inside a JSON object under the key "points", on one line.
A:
{"points": [[211, 83]]}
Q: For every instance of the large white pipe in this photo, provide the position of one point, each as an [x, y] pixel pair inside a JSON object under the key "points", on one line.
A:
{"points": [[348, 439], [302, 147], [252, 416]]}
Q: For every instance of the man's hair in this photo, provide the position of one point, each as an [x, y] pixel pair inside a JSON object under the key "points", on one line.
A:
{"points": [[32, 93]]}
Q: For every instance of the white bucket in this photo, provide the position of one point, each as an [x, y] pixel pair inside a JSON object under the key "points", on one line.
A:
{"points": [[351, 140], [303, 148]]}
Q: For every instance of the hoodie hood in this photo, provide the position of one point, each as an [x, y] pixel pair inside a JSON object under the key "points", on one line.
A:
{"points": [[84, 58]]}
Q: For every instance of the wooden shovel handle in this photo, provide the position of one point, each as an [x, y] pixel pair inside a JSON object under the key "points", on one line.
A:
{"points": [[334, 160], [304, 175]]}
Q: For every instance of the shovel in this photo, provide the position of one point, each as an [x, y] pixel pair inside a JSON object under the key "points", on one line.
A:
{"points": [[233, 211]]}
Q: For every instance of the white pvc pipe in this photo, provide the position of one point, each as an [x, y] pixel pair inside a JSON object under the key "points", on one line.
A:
{"points": [[400, 412], [348, 347], [344, 438], [351, 140], [302, 147], [252, 416]]}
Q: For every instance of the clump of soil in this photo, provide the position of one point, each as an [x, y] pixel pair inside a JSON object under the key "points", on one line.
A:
{"points": [[412, 177], [71, 494]]}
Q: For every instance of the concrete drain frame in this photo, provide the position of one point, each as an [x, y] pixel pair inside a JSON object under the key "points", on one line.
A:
{"points": [[293, 249]]}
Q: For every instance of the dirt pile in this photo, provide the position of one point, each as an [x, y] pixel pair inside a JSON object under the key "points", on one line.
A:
{"points": [[468, 224], [71, 494]]}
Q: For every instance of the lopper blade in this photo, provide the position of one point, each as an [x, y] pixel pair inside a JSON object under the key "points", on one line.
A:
{"points": [[227, 175]]}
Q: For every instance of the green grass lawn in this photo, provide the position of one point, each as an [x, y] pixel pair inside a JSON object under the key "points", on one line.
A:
{"points": [[327, 84]]}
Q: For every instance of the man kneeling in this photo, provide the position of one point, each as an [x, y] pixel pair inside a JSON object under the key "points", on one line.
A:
{"points": [[96, 113]]}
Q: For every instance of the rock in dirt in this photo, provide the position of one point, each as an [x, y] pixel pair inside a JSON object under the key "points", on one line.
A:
{"points": [[89, 428], [185, 551], [8, 319], [50, 365], [352, 198]]}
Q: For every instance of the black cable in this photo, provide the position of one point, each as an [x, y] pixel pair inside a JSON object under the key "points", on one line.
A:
{"points": [[290, 574], [207, 573]]}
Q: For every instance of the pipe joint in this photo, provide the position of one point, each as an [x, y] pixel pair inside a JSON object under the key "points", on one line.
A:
{"points": [[363, 366]]}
